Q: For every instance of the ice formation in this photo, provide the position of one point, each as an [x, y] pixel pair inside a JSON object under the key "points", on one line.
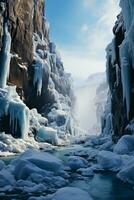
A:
{"points": [[39, 67], [127, 51], [18, 113], [125, 75], [19, 118], [47, 134], [5, 57], [128, 13]]}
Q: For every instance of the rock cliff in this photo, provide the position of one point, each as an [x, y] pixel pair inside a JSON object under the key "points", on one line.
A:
{"points": [[120, 70], [35, 68]]}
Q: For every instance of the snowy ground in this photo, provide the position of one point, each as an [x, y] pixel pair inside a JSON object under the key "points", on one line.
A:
{"points": [[58, 173]]}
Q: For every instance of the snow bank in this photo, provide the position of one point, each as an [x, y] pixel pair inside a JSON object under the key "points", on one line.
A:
{"points": [[125, 145], [69, 193], [10, 146], [47, 134]]}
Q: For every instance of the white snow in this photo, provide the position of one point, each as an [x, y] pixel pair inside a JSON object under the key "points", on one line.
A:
{"points": [[10, 146]]}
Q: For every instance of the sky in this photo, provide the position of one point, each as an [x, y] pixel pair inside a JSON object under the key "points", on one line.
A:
{"points": [[81, 30]]}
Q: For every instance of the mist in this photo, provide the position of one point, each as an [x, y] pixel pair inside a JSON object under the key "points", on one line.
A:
{"points": [[86, 106]]}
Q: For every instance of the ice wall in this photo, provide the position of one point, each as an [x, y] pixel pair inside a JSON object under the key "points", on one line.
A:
{"points": [[120, 69]]}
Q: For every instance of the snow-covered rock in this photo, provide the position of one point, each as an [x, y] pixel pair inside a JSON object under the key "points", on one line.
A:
{"points": [[33, 161], [36, 120], [125, 145], [10, 145], [127, 172], [109, 160]]}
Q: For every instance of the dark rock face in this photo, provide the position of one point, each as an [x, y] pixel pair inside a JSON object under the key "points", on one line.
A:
{"points": [[118, 110]]}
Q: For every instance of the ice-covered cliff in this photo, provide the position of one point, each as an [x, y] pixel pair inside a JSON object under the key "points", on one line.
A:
{"points": [[120, 70], [31, 66]]}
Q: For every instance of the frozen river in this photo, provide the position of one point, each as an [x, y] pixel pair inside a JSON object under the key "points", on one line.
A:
{"points": [[101, 186]]}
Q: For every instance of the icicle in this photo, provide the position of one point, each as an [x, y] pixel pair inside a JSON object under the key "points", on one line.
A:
{"points": [[39, 66], [38, 70], [125, 75], [19, 118], [5, 57]]}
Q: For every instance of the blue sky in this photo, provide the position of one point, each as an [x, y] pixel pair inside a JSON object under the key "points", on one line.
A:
{"points": [[81, 30]]}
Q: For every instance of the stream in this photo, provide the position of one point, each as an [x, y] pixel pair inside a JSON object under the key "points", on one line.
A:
{"points": [[102, 186]]}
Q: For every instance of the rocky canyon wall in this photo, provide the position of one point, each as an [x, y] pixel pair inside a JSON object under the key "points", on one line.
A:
{"points": [[120, 71]]}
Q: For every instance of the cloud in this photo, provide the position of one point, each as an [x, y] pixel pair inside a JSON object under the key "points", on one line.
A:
{"points": [[84, 28], [90, 57], [101, 33], [89, 3], [80, 64]]}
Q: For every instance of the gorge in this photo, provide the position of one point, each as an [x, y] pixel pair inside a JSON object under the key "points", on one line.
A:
{"points": [[45, 153]]}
